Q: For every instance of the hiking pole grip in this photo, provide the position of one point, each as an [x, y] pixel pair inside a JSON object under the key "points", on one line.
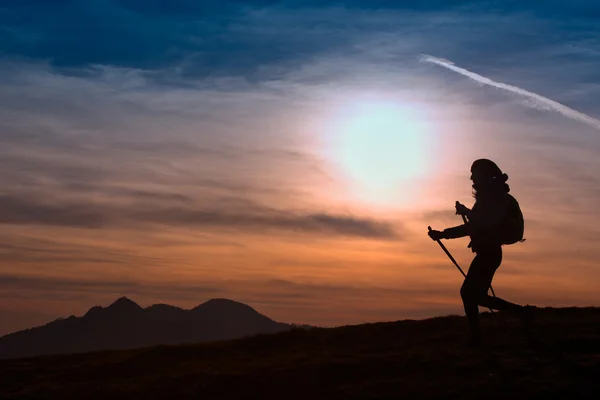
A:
{"points": [[464, 218]]}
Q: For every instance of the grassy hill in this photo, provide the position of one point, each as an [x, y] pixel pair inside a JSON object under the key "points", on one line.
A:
{"points": [[559, 357]]}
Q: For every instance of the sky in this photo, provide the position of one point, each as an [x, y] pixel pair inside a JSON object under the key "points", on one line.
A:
{"points": [[290, 154]]}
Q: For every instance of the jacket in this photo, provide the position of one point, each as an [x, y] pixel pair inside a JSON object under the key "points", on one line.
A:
{"points": [[486, 222]]}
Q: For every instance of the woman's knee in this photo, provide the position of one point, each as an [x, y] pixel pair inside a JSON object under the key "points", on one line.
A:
{"points": [[471, 292], [466, 292]]}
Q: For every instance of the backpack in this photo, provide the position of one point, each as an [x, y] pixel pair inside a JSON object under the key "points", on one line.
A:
{"points": [[513, 226]]}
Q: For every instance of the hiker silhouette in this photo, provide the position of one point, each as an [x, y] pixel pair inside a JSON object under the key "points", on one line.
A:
{"points": [[495, 220]]}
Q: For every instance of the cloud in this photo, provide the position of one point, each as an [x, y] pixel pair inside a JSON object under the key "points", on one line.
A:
{"points": [[537, 101], [254, 218], [26, 250], [61, 169], [278, 220], [273, 288], [31, 211], [61, 284], [201, 154]]}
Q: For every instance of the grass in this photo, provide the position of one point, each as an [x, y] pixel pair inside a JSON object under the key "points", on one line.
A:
{"points": [[558, 357]]}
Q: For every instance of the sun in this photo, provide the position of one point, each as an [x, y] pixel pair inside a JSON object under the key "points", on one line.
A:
{"points": [[381, 148]]}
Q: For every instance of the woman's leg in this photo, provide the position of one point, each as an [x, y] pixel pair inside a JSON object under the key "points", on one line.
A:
{"points": [[475, 287], [496, 303], [469, 292], [474, 290], [487, 267]]}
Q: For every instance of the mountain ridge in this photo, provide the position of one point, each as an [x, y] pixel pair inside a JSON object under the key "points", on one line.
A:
{"points": [[124, 325]]}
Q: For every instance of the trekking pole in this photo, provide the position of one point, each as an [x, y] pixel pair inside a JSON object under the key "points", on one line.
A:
{"points": [[453, 260], [449, 255]]}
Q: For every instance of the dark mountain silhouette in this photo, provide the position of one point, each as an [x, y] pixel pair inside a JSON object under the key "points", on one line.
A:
{"points": [[126, 325], [557, 358]]}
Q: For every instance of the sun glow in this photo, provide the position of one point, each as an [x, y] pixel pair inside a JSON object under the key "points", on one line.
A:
{"points": [[382, 149]]}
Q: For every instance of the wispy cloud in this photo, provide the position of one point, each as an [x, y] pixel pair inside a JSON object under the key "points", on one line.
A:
{"points": [[538, 101], [253, 218]]}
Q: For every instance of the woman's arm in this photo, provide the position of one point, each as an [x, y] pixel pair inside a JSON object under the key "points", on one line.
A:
{"points": [[456, 232]]}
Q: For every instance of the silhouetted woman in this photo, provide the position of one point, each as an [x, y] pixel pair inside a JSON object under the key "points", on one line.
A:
{"points": [[488, 223]]}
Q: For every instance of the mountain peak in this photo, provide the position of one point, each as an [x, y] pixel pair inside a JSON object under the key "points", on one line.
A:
{"points": [[123, 303], [220, 303]]}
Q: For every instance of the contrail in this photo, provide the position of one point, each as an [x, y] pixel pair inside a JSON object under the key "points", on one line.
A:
{"points": [[537, 100]]}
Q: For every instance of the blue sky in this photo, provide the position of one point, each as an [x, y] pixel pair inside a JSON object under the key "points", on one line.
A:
{"points": [[205, 128]]}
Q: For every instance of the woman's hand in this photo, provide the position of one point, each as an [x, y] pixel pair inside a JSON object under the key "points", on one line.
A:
{"points": [[436, 235], [462, 209]]}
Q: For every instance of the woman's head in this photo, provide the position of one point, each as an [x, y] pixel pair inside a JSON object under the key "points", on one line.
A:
{"points": [[488, 177]]}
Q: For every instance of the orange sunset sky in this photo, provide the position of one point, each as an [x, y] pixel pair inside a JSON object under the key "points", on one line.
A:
{"points": [[290, 159]]}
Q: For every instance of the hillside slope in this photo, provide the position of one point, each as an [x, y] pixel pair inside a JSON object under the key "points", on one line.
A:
{"points": [[559, 357]]}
